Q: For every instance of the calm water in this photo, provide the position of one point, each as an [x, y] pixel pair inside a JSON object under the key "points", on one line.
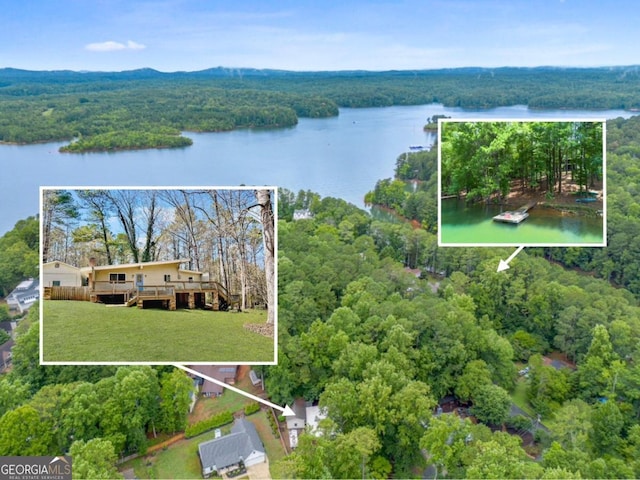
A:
{"points": [[342, 157], [474, 224]]}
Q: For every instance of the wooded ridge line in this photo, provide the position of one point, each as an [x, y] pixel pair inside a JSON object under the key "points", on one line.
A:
{"points": [[148, 109]]}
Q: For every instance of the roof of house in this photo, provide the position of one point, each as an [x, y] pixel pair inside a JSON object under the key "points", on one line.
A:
{"points": [[230, 449], [300, 418], [59, 263], [314, 415], [5, 350], [24, 294], [139, 265], [7, 326], [224, 373]]}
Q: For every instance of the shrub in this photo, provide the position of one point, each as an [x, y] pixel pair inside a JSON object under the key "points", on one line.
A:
{"points": [[519, 422], [216, 421], [251, 408]]}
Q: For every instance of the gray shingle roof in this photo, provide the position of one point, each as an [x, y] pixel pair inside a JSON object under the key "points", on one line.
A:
{"points": [[230, 449]]}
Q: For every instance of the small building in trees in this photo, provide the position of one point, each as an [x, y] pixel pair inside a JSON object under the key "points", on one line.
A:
{"points": [[223, 373], [24, 295], [302, 214]]}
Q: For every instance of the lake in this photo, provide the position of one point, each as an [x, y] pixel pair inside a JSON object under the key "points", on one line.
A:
{"points": [[341, 156], [473, 224]]}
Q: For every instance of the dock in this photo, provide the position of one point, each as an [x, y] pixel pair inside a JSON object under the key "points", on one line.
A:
{"points": [[515, 216]]}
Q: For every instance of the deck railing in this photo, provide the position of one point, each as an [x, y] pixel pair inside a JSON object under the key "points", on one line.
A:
{"points": [[104, 288], [198, 286], [155, 291]]}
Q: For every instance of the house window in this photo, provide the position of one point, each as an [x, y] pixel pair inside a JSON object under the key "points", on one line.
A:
{"points": [[55, 283], [57, 265], [117, 277], [167, 278], [190, 279]]}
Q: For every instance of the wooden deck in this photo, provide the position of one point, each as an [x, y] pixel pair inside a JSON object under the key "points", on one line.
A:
{"points": [[515, 216], [170, 295]]}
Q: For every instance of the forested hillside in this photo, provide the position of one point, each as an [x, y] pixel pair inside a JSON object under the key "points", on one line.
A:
{"points": [[149, 109], [379, 347]]}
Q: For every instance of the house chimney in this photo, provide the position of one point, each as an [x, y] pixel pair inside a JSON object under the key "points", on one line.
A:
{"points": [[92, 262]]}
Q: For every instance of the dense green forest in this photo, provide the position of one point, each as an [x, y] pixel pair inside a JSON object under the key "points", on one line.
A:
{"points": [[487, 160], [379, 347], [56, 106]]}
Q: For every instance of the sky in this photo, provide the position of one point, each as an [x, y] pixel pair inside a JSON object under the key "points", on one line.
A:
{"points": [[304, 35]]}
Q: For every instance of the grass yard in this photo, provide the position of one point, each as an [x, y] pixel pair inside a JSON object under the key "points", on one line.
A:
{"points": [[519, 397], [180, 460], [92, 332]]}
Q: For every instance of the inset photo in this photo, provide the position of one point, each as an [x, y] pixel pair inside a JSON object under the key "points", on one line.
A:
{"points": [[158, 275], [521, 182]]}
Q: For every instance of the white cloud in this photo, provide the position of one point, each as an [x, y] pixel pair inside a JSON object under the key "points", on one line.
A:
{"points": [[111, 46]]}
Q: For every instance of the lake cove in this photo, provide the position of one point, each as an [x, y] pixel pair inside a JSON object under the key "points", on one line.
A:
{"points": [[340, 156], [473, 224]]}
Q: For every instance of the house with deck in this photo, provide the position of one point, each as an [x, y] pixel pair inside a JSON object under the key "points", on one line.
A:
{"points": [[162, 283], [241, 447]]}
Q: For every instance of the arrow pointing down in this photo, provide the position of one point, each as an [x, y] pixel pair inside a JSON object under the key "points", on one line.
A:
{"points": [[504, 264], [286, 410]]}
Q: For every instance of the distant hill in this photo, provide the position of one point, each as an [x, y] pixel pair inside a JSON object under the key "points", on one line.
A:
{"points": [[231, 72]]}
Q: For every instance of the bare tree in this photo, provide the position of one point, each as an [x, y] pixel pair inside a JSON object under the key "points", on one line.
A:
{"points": [[99, 208], [129, 205], [58, 211], [188, 229]]}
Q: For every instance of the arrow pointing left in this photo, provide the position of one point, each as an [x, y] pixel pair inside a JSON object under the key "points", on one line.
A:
{"points": [[504, 264], [286, 410]]}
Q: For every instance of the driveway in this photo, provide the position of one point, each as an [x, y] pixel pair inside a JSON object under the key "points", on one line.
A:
{"points": [[259, 471]]}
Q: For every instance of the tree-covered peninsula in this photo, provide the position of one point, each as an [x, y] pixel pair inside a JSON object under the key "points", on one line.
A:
{"points": [[63, 105]]}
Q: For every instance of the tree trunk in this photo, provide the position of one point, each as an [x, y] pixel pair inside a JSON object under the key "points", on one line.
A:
{"points": [[266, 217]]}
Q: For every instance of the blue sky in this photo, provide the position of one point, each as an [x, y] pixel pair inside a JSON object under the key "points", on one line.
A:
{"points": [[172, 35]]}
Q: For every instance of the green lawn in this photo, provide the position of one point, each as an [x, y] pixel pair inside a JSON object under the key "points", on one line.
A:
{"points": [[181, 459], [91, 332], [519, 397]]}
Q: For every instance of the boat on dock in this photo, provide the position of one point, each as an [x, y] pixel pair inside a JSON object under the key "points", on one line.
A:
{"points": [[515, 216]]}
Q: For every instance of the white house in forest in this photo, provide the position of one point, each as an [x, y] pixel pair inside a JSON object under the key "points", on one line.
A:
{"points": [[24, 295]]}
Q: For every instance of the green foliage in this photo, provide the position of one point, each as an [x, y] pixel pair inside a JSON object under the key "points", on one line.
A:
{"points": [[223, 418], [491, 404], [176, 389], [94, 459], [126, 140], [251, 408], [482, 159], [23, 431], [18, 257], [548, 387], [607, 423]]}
